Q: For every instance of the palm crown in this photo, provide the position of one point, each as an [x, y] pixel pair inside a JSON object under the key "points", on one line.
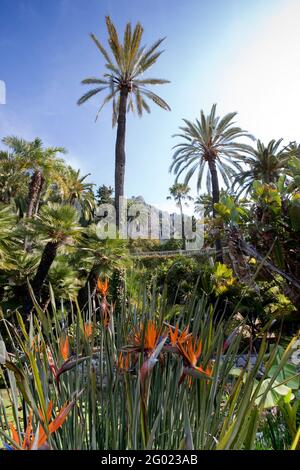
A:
{"points": [[130, 61], [77, 192], [33, 156], [39, 163], [58, 223], [180, 192], [209, 146], [108, 254], [265, 164], [208, 140]]}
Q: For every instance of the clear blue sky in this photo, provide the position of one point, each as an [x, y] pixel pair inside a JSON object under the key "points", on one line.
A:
{"points": [[233, 52]]}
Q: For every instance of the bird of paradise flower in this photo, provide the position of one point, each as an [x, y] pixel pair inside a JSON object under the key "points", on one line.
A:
{"points": [[190, 351], [38, 440], [149, 340], [105, 307]]}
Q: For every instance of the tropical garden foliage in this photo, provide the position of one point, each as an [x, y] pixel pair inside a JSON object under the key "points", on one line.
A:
{"points": [[106, 348]]}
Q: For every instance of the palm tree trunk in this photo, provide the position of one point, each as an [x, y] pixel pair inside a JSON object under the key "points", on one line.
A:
{"points": [[120, 153], [34, 197], [34, 192], [47, 259], [182, 226], [38, 198], [216, 199]]}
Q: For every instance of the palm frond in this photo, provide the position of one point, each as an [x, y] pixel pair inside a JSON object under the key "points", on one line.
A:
{"points": [[115, 45], [209, 137], [129, 61], [89, 95], [94, 81], [156, 99], [101, 49], [152, 81], [106, 100]]}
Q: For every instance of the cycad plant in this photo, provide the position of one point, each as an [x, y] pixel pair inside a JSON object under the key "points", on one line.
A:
{"points": [[127, 88], [209, 145]]}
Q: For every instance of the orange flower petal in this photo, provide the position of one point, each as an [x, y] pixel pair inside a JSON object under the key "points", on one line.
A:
{"points": [[173, 335], [28, 439], [199, 350], [102, 287], [42, 437], [88, 329], [15, 435], [61, 417], [56, 423], [65, 348], [190, 352]]}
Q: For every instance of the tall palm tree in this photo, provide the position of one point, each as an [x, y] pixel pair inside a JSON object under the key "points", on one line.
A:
{"points": [[41, 163], [209, 146], [265, 163], [127, 88], [180, 193]]}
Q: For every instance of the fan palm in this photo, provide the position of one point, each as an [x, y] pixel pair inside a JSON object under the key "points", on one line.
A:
{"points": [[42, 164], [24, 265], [63, 278], [56, 225], [209, 146], [103, 257], [265, 163], [126, 87]]}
